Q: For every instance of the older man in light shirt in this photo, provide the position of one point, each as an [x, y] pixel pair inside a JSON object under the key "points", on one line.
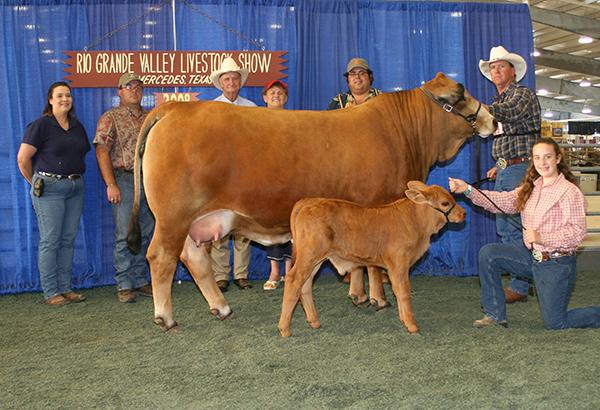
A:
{"points": [[230, 78]]}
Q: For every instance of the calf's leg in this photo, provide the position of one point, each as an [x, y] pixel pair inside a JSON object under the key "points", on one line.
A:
{"points": [[294, 281], [398, 273], [197, 260], [308, 303]]}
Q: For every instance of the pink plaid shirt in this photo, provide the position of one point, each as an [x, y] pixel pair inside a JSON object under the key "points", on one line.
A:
{"points": [[555, 211]]}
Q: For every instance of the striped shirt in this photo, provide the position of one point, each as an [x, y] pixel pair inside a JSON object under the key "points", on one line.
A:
{"points": [[555, 211], [518, 109]]}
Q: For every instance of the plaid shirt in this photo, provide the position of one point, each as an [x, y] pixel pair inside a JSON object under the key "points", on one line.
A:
{"points": [[518, 109], [345, 100], [118, 130], [555, 211]]}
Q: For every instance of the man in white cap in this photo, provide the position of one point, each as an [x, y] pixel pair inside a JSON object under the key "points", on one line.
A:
{"points": [[230, 78], [116, 137], [360, 80], [518, 112]]}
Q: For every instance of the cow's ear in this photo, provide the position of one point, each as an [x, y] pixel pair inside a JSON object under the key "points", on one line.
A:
{"points": [[416, 196], [416, 185]]}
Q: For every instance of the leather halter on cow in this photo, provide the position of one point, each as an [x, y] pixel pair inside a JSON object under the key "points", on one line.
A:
{"points": [[210, 168]]}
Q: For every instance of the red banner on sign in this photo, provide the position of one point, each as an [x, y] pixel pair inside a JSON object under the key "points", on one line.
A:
{"points": [[169, 68]]}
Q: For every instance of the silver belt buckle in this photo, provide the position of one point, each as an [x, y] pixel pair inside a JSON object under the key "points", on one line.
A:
{"points": [[501, 163], [537, 255]]}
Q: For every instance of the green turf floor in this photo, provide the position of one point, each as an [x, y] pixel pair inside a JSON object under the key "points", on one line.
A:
{"points": [[103, 354]]}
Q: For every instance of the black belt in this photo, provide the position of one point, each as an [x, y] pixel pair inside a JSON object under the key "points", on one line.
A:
{"points": [[58, 176], [543, 256]]}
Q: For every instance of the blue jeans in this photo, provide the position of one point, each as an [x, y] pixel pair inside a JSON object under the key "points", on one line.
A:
{"points": [[554, 280], [58, 212], [130, 269], [506, 180]]}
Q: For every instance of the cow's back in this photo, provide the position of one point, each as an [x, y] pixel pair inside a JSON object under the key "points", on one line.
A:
{"points": [[259, 162]]}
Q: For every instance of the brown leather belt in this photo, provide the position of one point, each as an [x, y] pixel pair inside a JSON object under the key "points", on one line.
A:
{"points": [[543, 256], [502, 163]]}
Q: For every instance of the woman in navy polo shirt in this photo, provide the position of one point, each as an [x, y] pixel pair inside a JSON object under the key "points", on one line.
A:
{"points": [[51, 158]]}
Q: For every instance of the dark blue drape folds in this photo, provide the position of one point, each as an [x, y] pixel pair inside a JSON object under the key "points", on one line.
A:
{"points": [[406, 43]]}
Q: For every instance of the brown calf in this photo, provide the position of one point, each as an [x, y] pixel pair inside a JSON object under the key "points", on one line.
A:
{"points": [[392, 236]]}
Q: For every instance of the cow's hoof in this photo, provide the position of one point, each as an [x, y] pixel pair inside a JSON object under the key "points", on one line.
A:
{"points": [[379, 305], [285, 332], [315, 324], [225, 314], [174, 327], [358, 301]]}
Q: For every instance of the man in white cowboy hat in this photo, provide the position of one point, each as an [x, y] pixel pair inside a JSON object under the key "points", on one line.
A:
{"points": [[518, 112], [230, 78]]}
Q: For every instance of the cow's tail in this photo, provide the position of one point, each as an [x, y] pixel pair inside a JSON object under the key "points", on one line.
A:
{"points": [[134, 234]]}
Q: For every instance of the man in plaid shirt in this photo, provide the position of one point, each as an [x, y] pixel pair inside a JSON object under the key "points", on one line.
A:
{"points": [[517, 110]]}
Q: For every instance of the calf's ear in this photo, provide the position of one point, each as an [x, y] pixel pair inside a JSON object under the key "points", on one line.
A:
{"points": [[416, 196]]}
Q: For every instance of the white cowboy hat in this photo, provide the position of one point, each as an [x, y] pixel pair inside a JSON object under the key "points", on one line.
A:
{"points": [[501, 54], [228, 66]]}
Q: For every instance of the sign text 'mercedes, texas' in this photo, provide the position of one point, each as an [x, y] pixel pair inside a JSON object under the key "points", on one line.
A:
{"points": [[169, 68]]}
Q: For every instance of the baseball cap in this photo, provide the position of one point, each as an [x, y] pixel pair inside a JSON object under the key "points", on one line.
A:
{"points": [[275, 82], [129, 77], [357, 62]]}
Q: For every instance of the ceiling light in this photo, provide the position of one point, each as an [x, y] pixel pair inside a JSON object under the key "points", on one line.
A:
{"points": [[536, 53], [548, 114], [585, 40], [542, 91], [585, 83], [586, 109]]}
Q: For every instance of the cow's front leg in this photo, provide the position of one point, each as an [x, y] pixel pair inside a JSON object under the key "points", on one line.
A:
{"points": [[398, 274], [376, 291], [197, 260], [356, 291]]}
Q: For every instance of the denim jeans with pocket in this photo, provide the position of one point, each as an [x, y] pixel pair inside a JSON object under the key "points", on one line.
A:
{"points": [[130, 269], [58, 212], [507, 226], [554, 280]]}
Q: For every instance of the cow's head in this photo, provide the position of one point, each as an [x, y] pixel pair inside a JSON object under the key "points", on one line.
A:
{"points": [[453, 98], [436, 197]]}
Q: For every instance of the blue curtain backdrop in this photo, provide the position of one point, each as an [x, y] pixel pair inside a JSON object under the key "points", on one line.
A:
{"points": [[406, 43]]}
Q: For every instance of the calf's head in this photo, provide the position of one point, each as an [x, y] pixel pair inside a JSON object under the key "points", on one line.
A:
{"points": [[436, 197]]}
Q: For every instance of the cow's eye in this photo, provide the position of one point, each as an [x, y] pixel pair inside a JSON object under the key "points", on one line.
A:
{"points": [[445, 203]]}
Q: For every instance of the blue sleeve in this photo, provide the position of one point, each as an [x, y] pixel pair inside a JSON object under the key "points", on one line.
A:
{"points": [[34, 133]]}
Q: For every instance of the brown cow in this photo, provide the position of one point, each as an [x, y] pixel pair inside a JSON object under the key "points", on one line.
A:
{"points": [[210, 168], [392, 236]]}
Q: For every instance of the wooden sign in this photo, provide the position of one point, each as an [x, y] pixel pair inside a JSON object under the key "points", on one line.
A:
{"points": [[169, 68]]}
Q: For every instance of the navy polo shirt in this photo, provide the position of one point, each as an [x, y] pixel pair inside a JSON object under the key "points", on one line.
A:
{"points": [[58, 151]]}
